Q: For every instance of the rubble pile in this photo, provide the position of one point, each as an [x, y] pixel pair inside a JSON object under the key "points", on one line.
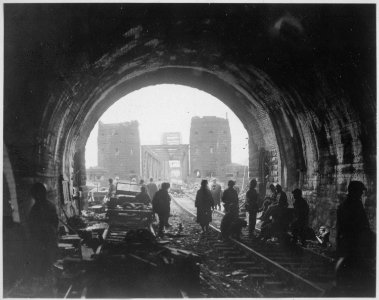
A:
{"points": [[124, 258]]}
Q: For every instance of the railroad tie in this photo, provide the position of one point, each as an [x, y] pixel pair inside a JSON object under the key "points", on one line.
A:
{"points": [[238, 258], [244, 263], [290, 264], [232, 253], [220, 244], [283, 259], [255, 269], [225, 248], [259, 275], [282, 294], [273, 284]]}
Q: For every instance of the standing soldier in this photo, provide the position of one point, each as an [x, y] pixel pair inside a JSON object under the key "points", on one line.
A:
{"points": [[216, 194], [301, 210], [112, 189], [252, 200], [43, 226], [204, 204], [151, 188], [355, 246], [230, 199], [282, 195], [161, 206]]}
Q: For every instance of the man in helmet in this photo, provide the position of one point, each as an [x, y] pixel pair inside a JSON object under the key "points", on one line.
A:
{"points": [[43, 226], [301, 211], [352, 222], [216, 194], [355, 275]]}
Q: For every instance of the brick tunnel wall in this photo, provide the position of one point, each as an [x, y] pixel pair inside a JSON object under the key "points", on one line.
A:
{"points": [[303, 91]]}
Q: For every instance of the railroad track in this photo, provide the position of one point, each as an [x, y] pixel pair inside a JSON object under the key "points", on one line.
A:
{"points": [[276, 271]]}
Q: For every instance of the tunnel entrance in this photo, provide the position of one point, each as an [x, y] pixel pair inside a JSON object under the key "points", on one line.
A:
{"points": [[305, 94], [293, 147], [170, 133]]}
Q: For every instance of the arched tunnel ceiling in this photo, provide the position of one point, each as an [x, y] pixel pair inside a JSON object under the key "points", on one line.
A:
{"points": [[236, 98], [301, 74], [108, 90]]}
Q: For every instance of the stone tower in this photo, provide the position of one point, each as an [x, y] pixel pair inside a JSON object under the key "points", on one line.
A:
{"points": [[119, 149], [210, 146]]}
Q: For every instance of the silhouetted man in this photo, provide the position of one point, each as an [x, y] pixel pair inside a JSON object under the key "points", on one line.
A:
{"points": [[43, 225], [230, 199], [275, 220], [161, 206], [301, 211], [355, 246], [282, 195], [112, 189], [143, 196], [216, 194], [252, 200]]}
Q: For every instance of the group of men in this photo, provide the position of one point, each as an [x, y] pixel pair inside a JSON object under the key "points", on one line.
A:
{"points": [[223, 196], [355, 240], [276, 218], [355, 275]]}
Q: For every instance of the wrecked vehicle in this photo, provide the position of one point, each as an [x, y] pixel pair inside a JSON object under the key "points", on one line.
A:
{"points": [[128, 260], [125, 194], [133, 263], [125, 211]]}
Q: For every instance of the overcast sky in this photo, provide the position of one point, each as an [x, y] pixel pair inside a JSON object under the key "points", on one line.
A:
{"points": [[168, 108]]}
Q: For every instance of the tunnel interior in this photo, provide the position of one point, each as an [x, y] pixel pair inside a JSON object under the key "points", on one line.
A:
{"points": [[305, 93]]}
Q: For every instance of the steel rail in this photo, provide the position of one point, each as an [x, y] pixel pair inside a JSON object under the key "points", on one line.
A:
{"points": [[329, 259], [282, 269], [278, 266]]}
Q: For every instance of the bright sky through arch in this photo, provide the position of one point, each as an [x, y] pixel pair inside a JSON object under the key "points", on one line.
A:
{"points": [[169, 108]]}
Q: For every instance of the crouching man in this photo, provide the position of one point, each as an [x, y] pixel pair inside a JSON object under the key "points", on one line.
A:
{"points": [[231, 226]]}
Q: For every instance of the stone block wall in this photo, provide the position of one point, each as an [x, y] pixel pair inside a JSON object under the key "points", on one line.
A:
{"points": [[119, 149], [210, 142]]}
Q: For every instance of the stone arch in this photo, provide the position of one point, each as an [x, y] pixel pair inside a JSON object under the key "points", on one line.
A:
{"points": [[251, 113], [308, 100], [10, 186]]}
